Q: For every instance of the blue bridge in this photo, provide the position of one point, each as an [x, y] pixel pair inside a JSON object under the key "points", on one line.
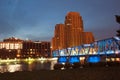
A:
{"points": [[102, 50]]}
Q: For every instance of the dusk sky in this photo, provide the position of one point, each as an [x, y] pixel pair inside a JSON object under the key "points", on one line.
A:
{"points": [[36, 19]]}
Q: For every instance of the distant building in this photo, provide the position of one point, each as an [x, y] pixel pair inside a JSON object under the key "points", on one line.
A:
{"points": [[10, 48], [35, 49], [71, 33], [17, 48]]}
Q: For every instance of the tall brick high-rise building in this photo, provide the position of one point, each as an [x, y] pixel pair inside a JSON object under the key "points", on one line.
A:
{"points": [[71, 33], [58, 41], [73, 28]]}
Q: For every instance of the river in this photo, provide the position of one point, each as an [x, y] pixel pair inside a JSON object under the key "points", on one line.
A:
{"points": [[26, 65]]}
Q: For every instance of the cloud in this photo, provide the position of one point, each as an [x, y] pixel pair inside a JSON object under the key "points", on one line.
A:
{"points": [[35, 19], [36, 37], [6, 28]]}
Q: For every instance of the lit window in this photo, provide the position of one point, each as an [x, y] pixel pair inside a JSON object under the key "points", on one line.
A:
{"points": [[30, 49], [68, 24], [3, 45], [11, 46], [7, 45]]}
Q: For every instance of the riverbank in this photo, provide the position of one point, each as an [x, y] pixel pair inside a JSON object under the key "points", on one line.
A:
{"points": [[88, 73]]}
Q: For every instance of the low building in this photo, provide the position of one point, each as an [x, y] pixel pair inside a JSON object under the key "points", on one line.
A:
{"points": [[17, 48], [35, 49], [10, 48]]}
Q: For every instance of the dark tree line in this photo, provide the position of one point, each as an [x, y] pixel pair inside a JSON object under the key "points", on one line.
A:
{"points": [[118, 21]]}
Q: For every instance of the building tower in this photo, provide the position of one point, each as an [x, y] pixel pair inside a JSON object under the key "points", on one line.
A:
{"points": [[58, 39], [71, 33], [73, 28]]}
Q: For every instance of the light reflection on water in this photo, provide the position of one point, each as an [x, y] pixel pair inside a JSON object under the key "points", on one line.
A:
{"points": [[26, 66]]}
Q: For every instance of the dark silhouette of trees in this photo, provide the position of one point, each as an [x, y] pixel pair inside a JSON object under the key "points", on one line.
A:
{"points": [[118, 21], [117, 18]]}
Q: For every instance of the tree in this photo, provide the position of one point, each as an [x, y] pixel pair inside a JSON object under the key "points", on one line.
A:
{"points": [[117, 18], [118, 21]]}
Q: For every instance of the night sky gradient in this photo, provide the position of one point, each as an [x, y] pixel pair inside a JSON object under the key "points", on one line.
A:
{"points": [[36, 19]]}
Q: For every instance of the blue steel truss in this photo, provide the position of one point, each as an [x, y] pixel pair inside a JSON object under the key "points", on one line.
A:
{"points": [[106, 47]]}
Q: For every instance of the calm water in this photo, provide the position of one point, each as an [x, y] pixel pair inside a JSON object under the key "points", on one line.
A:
{"points": [[14, 66]]}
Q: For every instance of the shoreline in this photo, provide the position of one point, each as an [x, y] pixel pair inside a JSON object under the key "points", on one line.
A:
{"points": [[85, 73]]}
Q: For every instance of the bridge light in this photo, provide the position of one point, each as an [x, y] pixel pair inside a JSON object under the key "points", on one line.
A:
{"points": [[62, 59], [117, 38], [93, 59], [74, 59]]}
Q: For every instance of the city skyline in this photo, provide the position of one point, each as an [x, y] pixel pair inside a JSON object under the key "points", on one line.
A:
{"points": [[35, 19]]}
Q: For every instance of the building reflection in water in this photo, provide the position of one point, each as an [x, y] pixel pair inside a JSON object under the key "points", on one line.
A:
{"points": [[26, 66], [10, 68], [14, 67]]}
